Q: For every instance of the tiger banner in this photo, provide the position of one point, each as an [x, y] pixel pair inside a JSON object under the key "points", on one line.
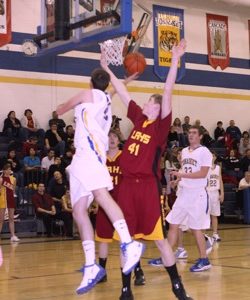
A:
{"points": [[218, 41], [168, 25], [5, 22]]}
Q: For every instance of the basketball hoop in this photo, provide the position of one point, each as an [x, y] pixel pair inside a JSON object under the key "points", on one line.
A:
{"points": [[113, 50]]}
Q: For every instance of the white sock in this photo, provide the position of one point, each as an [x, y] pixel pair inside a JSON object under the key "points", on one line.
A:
{"points": [[89, 250], [122, 229]]}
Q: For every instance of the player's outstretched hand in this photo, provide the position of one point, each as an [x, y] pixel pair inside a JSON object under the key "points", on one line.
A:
{"points": [[179, 49], [131, 78]]}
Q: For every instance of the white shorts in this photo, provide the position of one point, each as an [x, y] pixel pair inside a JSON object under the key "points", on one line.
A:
{"points": [[87, 174], [214, 203], [191, 209]]}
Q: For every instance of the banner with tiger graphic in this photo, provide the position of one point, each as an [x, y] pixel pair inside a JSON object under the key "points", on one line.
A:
{"points": [[168, 25], [218, 41], [5, 22]]}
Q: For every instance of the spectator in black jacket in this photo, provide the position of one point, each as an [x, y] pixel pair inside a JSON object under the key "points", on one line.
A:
{"points": [[232, 164], [57, 166], [245, 162], [219, 135], [54, 140], [12, 126], [59, 122]]}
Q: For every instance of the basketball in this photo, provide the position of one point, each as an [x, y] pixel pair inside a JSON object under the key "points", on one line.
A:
{"points": [[134, 62]]}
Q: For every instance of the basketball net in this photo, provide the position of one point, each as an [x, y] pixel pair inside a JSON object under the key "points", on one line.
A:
{"points": [[113, 50]]}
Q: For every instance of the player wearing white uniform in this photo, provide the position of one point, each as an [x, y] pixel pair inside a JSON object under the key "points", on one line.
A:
{"points": [[192, 201], [89, 176], [216, 196]]}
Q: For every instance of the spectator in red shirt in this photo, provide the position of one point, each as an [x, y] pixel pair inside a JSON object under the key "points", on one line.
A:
{"points": [[44, 207]]}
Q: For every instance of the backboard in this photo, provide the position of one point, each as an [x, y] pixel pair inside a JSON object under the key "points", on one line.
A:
{"points": [[70, 24]]}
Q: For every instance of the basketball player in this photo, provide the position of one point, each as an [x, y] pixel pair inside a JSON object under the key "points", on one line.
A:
{"points": [[215, 190], [139, 193], [192, 203], [104, 228], [89, 176]]}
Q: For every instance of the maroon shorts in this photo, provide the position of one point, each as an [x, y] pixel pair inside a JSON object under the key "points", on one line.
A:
{"points": [[140, 202], [104, 228]]}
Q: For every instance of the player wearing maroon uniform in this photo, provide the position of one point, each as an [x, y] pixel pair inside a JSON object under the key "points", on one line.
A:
{"points": [[139, 194], [104, 228]]}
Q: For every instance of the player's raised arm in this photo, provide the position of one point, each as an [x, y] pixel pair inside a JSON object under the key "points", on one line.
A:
{"points": [[83, 96], [117, 84], [126, 81], [177, 52]]}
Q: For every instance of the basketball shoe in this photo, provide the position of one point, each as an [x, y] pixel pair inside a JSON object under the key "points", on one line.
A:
{"points": [[126, 295], [139, 277], [132, 253], [181, 253], [14, 239], [179, 291], [155, 262], [202, 264], [92, 274], [216, 237]]}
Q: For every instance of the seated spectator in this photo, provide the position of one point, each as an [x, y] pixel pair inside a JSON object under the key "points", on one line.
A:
{"points": [[245, 134], [31, 143], [186, 126], [44, 208], [232, 164], [172, 163], [48, 160], [32, 127], [198, 123], [57, 189], [178, 128], [172, 138], [245, 182], [69, 135], [32, 168], [244, 145], [16, 168], [207, 139], [59, 122], [245, 162], [54, 140], [234, 132], [7, 200], [12, 126], [67, 213], [67, 158], [57, 166], [219, 134]]}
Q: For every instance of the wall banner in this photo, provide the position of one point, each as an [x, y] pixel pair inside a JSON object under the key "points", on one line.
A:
{"points": [[5, 22], [168, 29], [218, 41]]}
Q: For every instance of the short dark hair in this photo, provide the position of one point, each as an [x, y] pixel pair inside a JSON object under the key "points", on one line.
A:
{"points": [[68, 126], [157, 98], [27, 110], [200, 131], [219, 122], [100, 79], [10, 113]]}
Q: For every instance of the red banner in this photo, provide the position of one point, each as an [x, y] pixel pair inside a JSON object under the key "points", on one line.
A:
{"points": [[5, 22], [218, 41]]}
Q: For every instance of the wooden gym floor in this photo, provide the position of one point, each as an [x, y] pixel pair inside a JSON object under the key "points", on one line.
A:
{"points": [[39, 268]]}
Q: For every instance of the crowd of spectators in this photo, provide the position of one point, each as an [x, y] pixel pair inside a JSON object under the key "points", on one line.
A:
{"points": [[39, 158]]}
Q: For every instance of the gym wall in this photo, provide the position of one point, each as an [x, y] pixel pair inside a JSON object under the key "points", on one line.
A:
{"points": [[206, 94]]}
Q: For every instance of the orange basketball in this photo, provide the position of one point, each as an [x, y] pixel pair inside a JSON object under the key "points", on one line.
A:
{"points": [[134, 62]]}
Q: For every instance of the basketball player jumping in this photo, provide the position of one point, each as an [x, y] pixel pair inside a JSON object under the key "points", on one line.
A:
{"points": [[139, 193], [192, 204], [89, 176]]}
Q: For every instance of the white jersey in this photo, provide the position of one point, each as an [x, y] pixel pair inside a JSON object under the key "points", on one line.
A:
{"points": [[191, 162], [93, 122], [214, 179]]}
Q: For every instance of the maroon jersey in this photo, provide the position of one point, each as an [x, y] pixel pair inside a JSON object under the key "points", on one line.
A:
{"points": [[142, 151], [114, 169]]}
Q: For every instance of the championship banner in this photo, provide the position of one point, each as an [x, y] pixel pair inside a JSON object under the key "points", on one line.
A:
{"points": [[5, 22], [218, 41], [168, 29]]}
